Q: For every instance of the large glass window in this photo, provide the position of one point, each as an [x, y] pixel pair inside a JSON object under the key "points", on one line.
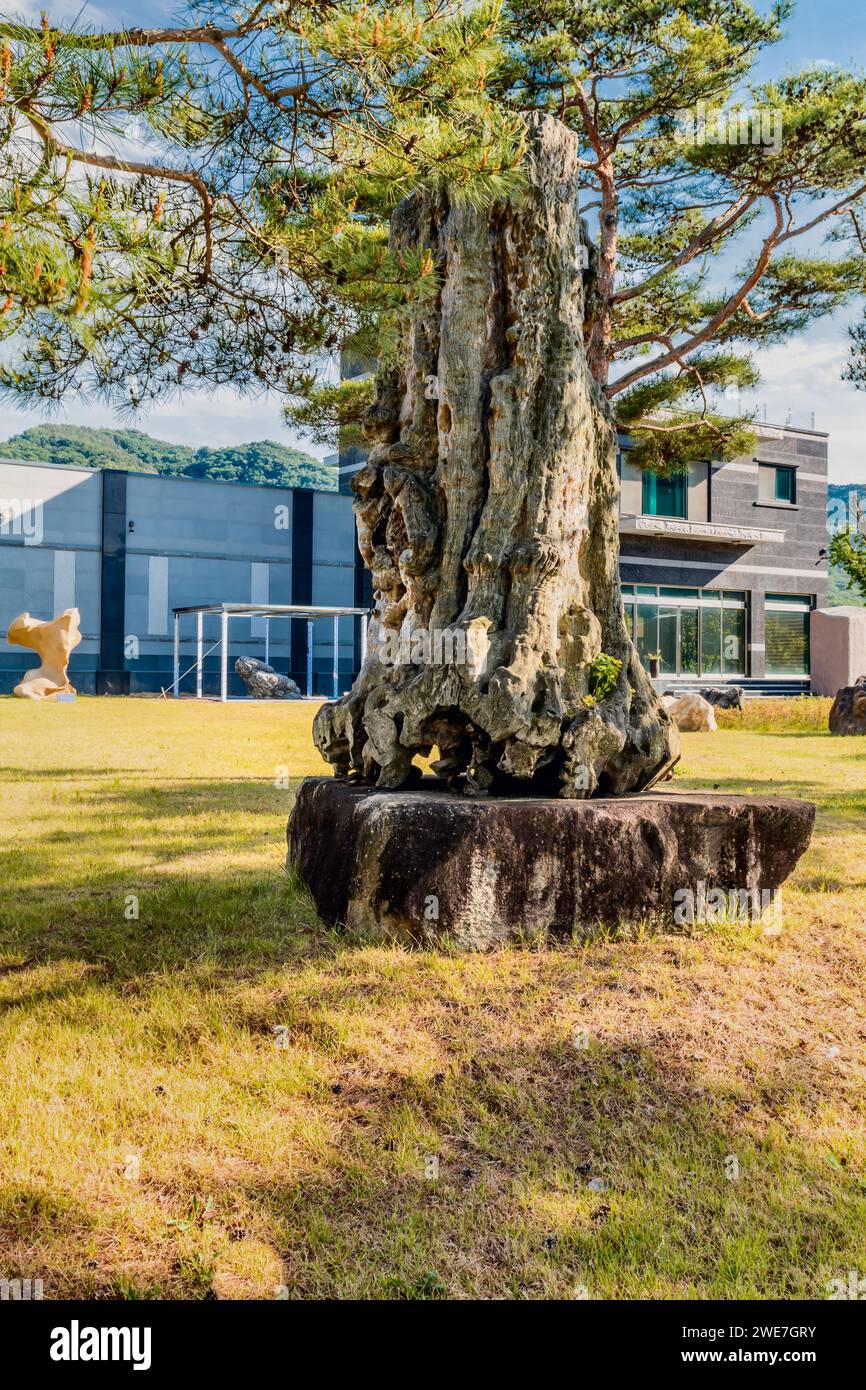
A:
{"points": [[786, 634], [668, 640], [711, 641], [646, 631], [695, 631], [689, 641], [733, 641], [664, 496]]}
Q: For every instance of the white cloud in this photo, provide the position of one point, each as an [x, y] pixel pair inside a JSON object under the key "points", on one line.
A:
{"points": [[805, 377], [64, 11]]}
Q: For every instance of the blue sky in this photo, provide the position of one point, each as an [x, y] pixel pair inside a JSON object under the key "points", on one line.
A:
{"points": [[802, 377]]}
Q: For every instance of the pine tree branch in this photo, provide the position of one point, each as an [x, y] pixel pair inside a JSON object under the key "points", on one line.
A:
{"points": [[858, 231], [92, 159], [842, 205], [714, 229], [623, 344], [721, 317]]}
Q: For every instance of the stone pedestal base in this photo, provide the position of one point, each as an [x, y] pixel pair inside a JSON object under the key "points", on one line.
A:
{"points": [[428, 864]]}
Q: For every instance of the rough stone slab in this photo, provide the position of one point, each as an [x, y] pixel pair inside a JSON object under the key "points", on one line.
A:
{"points": [[848, 711], [507, 868]]}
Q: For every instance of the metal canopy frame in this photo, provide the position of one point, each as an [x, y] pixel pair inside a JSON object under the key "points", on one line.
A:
{"points": [[225, 611]]}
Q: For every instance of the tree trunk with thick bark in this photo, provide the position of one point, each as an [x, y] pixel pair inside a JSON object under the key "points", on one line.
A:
{"points": [[488, 514]]}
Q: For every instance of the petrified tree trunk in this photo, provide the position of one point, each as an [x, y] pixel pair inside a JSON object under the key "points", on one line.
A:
{"points": [[487, 513]]}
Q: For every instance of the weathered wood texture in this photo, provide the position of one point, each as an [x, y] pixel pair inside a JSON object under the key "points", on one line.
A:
{"points": [[487, 513]]}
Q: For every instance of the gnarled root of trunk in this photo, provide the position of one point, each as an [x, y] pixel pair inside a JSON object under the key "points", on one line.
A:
{"points": [[488, 515]]}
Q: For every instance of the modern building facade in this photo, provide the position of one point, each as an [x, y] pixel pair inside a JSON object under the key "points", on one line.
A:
{"points": [[720, 570], [128, 548]]}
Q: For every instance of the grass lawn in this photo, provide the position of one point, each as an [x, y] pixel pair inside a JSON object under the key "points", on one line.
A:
{"points": [[161, 1139]]}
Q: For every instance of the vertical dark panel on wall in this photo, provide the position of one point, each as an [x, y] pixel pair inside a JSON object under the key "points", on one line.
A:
{"points": [[112, 678], [302, 578]]}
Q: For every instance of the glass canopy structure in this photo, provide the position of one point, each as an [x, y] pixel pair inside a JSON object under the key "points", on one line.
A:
{"points": [[226, 611]]}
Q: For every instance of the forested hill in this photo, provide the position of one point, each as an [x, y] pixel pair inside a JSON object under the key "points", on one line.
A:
{"points": [[264, 462]]}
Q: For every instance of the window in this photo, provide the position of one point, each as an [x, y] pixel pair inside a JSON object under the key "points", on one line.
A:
{"points": [[785, 485], [646, 631], [786, 634], [733, 641], [711, 642], [689, 625], [777, 484], [664, 496], [669, 644], [697, 632]]}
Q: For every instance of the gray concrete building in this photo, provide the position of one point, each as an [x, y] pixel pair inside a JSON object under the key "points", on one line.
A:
{"points": [[720, 570], [128, 548]]}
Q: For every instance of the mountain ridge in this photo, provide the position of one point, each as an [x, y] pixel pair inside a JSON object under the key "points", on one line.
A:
{"points": [[264, 463]]}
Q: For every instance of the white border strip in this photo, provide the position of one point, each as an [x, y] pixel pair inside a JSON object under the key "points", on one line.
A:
{"points": [[753, 468], [726, 569]]}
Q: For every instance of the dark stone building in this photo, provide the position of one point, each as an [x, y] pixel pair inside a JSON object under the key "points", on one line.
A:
{"points": [[722, 568]]}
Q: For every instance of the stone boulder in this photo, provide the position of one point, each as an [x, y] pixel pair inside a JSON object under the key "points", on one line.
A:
{"points": [[263, 682], [724, 696], [691, 713], [848, 712], [429, 865]]}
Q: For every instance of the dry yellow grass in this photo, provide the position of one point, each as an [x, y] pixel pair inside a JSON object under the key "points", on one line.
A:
{"points": [[160, 1139]]}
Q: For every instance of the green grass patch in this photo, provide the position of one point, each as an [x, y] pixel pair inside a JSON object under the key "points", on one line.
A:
{"points": [[214, 1094], [803, 714]]}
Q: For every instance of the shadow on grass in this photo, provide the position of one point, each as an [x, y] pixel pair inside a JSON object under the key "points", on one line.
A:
{"points": [[32, 1214], [520, 1131], [515, 1168], [608, 1168], [831, 800], [145, 880]]}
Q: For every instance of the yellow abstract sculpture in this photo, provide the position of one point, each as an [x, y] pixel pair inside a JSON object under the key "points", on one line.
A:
{"points": [[52, 642]]}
